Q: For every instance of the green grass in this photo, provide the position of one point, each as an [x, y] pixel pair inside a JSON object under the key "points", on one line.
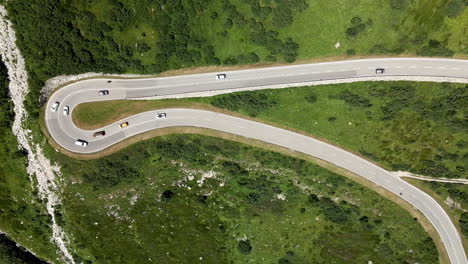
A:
{"points": [[11, 254], [418, 131], [129, 36], [143, 203], [22, 216]]}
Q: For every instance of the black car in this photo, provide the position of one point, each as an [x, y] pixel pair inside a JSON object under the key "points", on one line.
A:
{"points": [[161, 115], [103, 92]]}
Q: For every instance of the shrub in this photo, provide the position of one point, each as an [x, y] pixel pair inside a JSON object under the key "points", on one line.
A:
{"points": [[311, 98], [464, 224], [228, 23], [454, 8], [378, 49], [398, 4], [356, 20], [334, 212], [435, 48], [250, 102], [167, 194], [354, 99], [244, 247], [282, 17], [350, 52]]}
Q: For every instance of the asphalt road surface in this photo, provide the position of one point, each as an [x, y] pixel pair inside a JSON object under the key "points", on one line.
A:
{"points": [[65, 133]]}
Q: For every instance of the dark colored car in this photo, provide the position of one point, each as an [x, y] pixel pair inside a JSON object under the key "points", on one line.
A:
{"points": [[103, 92], [99, 134], [161, 115]]}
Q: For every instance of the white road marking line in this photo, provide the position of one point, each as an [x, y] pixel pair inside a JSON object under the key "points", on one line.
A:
{"points": [[427, 67], [442, 67], [412, 67], [455, 68]]}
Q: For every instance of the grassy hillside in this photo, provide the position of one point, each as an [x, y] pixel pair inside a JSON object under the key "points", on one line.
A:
{"points": [[22, 216], [153, 36], [11, 254], [410, 126], [420, 127], [141, 205], [187, 198]]}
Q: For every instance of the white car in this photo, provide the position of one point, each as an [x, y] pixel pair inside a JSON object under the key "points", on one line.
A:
{"points": [[81, 143], [55, 107], [161, 115], [220, 76], [379, 70], [66, 110]]}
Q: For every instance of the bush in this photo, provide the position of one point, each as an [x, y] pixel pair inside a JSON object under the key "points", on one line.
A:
{"points": [[250, 102], [378, 49], [354, 99], [244, 247], [464, 224], [311, 98], [234, 169], [350, 52], [334, 212], [282, 17], [455, 8], [228, 23], [167, 194], [435, 48], [398, 4], [357, 27]]}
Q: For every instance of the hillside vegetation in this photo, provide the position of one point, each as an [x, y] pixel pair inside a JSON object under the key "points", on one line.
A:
{"points": [[417, 127], [22, 215], [408, 126], [143, 36], [189, 198], [11, 254]]}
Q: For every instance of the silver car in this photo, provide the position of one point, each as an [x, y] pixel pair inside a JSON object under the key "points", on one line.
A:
{"points": [[66, 110], [55, 106]]}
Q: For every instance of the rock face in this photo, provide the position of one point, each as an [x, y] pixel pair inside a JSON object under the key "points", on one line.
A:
{"points": [[38, 165]]}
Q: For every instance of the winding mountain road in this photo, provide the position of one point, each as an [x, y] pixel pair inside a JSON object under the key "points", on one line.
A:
{"points": [[65, 133]]}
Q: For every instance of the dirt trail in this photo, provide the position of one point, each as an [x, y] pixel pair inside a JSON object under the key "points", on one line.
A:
{"points": [[427, 178]]}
